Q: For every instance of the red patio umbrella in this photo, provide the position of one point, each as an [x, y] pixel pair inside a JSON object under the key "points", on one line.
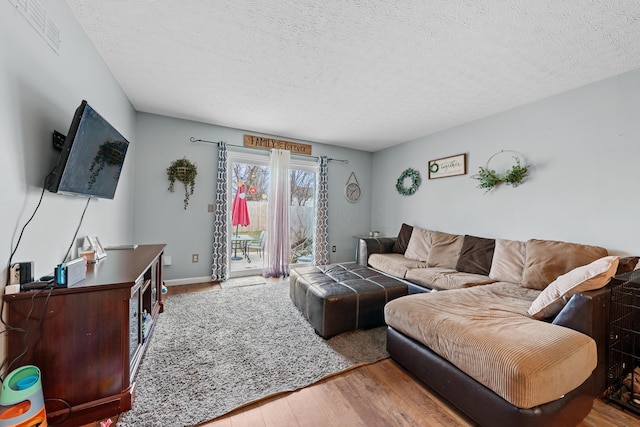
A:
{"points": [[239, 211]]}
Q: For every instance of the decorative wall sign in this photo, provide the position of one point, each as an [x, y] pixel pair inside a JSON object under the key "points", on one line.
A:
{"points": [[269, 143], [448, 166]]}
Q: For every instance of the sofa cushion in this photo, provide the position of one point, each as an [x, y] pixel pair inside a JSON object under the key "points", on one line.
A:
{"points": [[445, 249], [445, 278], [548, 259], [581, 279], [401, 243], [396, 265], [476, 255], [627, 264], [486, 332], [419, 244], [507, 264]]}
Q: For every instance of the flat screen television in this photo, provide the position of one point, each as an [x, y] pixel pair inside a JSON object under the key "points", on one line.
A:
{"points": [[92, 157]]}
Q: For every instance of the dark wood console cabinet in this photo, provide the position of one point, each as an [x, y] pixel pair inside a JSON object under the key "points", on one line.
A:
{"points": [[88, 340]]}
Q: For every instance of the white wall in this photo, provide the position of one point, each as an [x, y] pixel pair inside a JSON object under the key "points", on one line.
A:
{"points": [[584, 148], [39, 92], [159, 214]]}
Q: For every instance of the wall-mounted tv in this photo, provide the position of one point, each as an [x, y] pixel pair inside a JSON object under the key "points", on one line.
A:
{"points": [[92, 157]]}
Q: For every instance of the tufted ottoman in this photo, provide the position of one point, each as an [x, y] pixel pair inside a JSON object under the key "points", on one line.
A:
{"points": [[338, 298]]}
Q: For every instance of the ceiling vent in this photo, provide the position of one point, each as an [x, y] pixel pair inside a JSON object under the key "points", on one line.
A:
{"points": [[37, 16]]}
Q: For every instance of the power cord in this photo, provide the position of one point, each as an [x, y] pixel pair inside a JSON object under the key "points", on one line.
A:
{"points": [[66, 416], [77, 229], [11, 328], [27, 331], [13, 252]]}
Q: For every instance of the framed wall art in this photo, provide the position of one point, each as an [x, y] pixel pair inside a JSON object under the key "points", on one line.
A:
{"points": [[448, 166]]}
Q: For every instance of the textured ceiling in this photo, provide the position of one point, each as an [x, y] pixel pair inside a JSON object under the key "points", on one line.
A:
{"points": [[365, 74]]}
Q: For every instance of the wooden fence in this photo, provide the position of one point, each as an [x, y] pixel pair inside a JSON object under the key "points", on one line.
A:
{"points": [[301, 219]]}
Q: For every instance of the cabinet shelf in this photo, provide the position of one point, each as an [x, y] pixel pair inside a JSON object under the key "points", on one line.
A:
{"points": [[90, 342]]}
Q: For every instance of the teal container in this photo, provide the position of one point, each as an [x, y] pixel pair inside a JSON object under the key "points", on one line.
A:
{"points": [[21, 399]]}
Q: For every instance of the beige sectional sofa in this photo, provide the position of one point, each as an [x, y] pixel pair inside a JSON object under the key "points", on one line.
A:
{"points": [[504, 326]]}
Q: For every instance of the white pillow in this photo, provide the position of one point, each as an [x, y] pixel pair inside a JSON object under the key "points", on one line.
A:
{"points": [[586, 278], [419, 244]]}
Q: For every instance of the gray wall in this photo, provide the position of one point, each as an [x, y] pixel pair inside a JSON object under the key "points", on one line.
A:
{"points": [[584, 148], [159, 215], [39, 92]]}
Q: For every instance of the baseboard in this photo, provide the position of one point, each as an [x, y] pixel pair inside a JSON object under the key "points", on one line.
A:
{"points": [[187, 281]]}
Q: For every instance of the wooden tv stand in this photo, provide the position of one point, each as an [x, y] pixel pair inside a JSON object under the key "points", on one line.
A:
{"points": [[88, 340]]}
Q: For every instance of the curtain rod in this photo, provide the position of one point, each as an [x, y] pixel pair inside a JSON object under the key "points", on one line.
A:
{"points": [[192, 139]]}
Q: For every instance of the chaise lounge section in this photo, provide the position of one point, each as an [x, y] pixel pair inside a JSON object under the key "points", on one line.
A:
{"points": [[512, 333]]}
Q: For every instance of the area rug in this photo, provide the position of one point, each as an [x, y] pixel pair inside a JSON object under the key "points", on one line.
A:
{"points": [[242, 281], [213, 351]]}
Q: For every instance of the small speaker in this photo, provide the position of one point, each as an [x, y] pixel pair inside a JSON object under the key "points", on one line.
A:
{"points": [[76, 272]]}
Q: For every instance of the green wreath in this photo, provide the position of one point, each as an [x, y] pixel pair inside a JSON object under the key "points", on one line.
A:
{"points": [[488, 178], [416, 180]]}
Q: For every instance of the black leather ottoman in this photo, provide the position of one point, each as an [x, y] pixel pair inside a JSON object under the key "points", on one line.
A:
{"points": [[338, 298]]}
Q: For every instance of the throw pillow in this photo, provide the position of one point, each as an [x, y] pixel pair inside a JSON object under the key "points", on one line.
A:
{"points": [[508, 261], [476, 255], [586, 278], [401, 243], [445, 249], [548, 259], [419, 244], [627, 264]]}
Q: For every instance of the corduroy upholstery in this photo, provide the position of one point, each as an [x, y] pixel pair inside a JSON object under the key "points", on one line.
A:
{"points": [[486, 332]]}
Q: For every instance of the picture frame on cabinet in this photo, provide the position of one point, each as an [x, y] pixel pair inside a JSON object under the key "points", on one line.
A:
{"points": [[94, 243]]}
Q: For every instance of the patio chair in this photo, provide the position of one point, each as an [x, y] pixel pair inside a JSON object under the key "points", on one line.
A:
{"points": [[258, 245]]}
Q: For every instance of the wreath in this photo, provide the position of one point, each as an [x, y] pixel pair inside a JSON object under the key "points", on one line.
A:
{"points": [[416, 180], [489, 178]]}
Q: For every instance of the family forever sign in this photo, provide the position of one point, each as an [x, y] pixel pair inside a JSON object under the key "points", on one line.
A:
{"points": [[269, 143]]}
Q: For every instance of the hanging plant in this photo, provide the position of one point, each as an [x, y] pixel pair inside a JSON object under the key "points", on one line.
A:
{"points": [[416, 180], [109, 153], [488, 178], [184, 171]]}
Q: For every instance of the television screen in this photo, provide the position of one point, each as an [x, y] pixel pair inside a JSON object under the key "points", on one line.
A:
{"points": [[92, 157]]}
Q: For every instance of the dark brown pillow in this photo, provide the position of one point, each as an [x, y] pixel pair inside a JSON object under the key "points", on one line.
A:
{"points": [[400, 246], [476, 255], [627, 264]]}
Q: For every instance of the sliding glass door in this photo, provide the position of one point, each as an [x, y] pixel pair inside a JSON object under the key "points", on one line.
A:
{"points": [[248, 200]]}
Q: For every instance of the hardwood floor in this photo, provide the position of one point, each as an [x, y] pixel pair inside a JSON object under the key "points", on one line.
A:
{"points": [[380, 394]]}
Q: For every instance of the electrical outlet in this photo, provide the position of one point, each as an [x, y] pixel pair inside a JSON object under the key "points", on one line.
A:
{"points": [[333, 248], [14, 278], [194, 258], [210, 207]]}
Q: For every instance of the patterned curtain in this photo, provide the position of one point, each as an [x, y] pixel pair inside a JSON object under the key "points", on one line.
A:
{"points": [[220, 224], [278, 250], [321, 247]]}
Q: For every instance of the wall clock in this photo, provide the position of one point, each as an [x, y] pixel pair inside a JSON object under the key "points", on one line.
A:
{"points": [[352, 190]]}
